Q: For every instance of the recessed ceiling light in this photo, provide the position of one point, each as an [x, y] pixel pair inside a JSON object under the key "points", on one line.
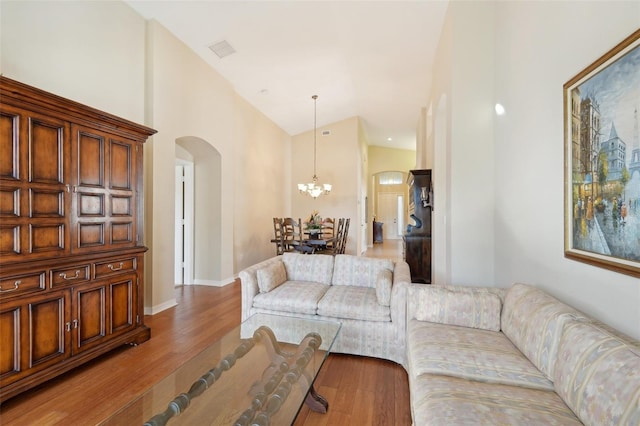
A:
{"points": [[222, 49], [389, 139], [500, 109]]}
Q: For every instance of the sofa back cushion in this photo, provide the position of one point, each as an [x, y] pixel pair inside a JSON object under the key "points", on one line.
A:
{"points": [[271, 276], [598, 375], [303, 267], [479, 309], [533, 320], [358, 271], [384, 282]]}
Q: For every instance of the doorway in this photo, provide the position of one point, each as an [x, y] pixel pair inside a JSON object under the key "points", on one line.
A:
{"points": [[390, 206], [184, 225]]}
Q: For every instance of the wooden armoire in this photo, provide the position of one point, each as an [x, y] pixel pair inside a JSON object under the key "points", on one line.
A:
{"points": [[71, 223]]}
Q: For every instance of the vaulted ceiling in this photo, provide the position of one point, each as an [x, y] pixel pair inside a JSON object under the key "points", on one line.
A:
{"points": [[371, 59]]}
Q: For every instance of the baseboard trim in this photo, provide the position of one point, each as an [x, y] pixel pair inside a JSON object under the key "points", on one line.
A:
{"points": [[213, 283], [152, 310]]}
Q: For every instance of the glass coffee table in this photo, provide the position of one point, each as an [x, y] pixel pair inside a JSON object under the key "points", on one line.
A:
{"points": [[260, 373]]}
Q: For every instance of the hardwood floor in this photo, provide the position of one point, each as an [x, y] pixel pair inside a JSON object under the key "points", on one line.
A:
{"points": [[362, 391]]}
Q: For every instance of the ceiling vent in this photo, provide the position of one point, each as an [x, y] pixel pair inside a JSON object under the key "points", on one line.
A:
{"points": [[326, 132], [222, 49]]}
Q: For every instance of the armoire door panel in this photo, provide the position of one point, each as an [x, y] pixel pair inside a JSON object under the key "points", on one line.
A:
{"points": [[10, 202], [47, 328], [10, 348], [121, 205], [46, 203], [91, 156], [10, 240], [122, 232], [10, 148], [123, 304], [46, 237], [120, 165], [90, 316], [46, 151], [91, 234], [90, 204]]}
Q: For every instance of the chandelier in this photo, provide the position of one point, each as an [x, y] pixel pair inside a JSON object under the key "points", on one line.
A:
{"points": [[314, 189]]}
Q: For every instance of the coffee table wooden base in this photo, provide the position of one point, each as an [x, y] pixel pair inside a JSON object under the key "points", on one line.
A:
{"points": [[316, 402]]}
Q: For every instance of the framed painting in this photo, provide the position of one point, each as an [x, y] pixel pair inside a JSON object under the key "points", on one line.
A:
{"points": [[602, 160]]}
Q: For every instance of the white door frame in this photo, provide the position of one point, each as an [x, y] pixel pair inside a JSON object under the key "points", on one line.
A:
{"points": [[184, 226]]}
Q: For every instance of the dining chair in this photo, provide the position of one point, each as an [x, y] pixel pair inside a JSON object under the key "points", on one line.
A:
{"points": [[329, 233], [277, 235], [341, 235], [292, 236]]}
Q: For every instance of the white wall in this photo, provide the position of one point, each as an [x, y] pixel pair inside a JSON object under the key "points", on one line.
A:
{"points": [[540, 46], [464, 192], [337, 157], [505, 174], [90, 52]]}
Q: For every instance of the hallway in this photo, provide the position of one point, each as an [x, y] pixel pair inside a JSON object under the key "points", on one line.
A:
{"points": [[388, 249]]}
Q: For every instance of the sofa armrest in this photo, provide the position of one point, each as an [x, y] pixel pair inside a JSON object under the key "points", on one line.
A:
{"points": [[401, 282], [249, 284]]}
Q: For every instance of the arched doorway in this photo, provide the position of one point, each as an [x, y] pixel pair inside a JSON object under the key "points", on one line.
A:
{"points": [[201, 209], [390, 202]]}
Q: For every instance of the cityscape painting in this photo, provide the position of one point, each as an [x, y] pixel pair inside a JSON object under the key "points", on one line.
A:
{"points": [[602, 161]]}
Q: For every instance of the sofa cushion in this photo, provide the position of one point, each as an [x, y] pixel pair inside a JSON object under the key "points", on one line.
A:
{"points": [[469, 353], [448, 306], [383, 287], [358, 271], [533, 320], [359, 303], [442, 400], [598, 375], [302, 267], [293, 296], [271, 276]]}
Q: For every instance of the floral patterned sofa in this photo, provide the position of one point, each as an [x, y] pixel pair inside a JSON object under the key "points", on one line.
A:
{"points": [[488, 356], [367, 295]]}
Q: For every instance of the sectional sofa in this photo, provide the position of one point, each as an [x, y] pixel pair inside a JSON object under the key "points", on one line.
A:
{"points": [[515, 357], [474, 355], [368, 296]]}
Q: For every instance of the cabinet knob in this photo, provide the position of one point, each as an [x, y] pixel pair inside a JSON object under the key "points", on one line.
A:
{"points": [[15, 287]]}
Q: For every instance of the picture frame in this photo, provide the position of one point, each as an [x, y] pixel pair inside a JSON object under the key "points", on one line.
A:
{"points": [[602, 161]]}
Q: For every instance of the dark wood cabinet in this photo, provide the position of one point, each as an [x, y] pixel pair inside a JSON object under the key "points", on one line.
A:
{"points": [[417, 239], [71, 258], [377, 232], [417, 254]]}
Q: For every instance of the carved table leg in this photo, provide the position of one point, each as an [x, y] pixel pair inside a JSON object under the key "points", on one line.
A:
{"points": [[316, 402]]}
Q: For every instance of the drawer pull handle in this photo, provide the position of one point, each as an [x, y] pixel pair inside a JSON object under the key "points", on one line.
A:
{"points": [[75, 323], [15, 287], [115, 268], [64, 276], [67, 326]]}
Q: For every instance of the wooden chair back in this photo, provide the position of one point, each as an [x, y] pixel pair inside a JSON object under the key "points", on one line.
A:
{"points": [[292, 236], [341, 235], [277, 235]]}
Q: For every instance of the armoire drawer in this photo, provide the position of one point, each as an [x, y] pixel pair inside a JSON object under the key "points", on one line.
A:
{"points": [[115, 267], [70, 275], [17, 285]]}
